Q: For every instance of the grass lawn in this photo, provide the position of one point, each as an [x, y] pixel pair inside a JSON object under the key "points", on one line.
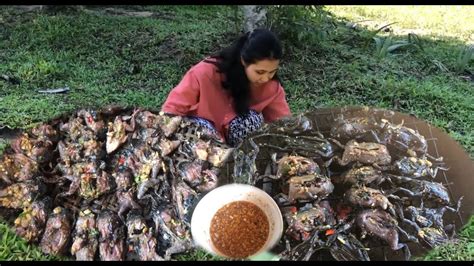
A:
{"points": [[106, 57]]}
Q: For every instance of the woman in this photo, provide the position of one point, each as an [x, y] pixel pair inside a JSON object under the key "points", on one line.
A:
{"points": [[234, 91]]}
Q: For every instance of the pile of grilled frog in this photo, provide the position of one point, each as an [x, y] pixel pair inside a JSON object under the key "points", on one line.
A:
{"points": [[363, 186], [110, 184], [121, 184]]}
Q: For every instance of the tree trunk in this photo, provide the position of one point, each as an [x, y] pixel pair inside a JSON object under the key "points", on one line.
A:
{"points": [[255, 16]]}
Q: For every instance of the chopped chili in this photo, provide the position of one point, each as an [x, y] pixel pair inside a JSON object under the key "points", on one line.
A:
{"points": [[239, 229], [330, 232]]}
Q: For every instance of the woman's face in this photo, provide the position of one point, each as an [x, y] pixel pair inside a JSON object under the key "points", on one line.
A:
{"points": [[261, 71]]}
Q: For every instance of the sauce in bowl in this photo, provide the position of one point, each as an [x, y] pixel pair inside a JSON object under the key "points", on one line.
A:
{"points": [[239, 229]]}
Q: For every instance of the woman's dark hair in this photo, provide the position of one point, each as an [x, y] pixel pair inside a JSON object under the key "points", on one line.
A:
{"points": [[253, 46]]}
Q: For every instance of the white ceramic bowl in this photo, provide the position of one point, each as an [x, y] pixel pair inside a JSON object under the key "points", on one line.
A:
{"points": [[220, 196]]}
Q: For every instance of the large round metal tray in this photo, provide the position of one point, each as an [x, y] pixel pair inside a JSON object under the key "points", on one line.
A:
{"points": [[458, 179]]}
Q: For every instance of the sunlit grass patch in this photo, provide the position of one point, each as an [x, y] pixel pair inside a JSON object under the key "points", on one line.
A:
{"points": [[433, 21]]}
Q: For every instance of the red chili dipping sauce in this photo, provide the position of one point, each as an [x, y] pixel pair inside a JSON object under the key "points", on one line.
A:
{"points": [[239, 229]]}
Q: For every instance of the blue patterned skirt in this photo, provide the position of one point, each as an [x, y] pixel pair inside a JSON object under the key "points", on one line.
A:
{"points": [[239, 128]]}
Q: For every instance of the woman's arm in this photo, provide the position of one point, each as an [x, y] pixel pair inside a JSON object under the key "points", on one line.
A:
{"points": [[184, 97]]}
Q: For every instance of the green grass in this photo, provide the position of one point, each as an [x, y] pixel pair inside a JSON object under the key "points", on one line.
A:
{"points": [[134, 61], [14, 248], [103, 59], [198, 255]]}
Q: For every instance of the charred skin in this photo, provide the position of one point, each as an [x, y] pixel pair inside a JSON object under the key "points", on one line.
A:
{"points": [[104, 183], [21, 195], [17, 168], [367, 197], [92, 120], [94, 181], [432, 237], [31, 223], [415, 167], [81, 176], [125, 163], [428, 190], [201, 149], [196, 172], [435, 191], [401, 139], [145, 163], [42, 151], [126, 202], [429, 217], [209, 180], [56, 236], [123, 179], [169, 124], [302, 222], [72, 128], [380, 224], [69, 152], [173, 236], [111, 236], [348, 248], [296, 165], [45, 132], [148, 185], [326, 149], [294, 125], [198, 132], [93, 148], [38, 150], [191, 172], [85, 239], [217, 155], [365, 153], [360, 176], [309, 187], [116, 134], [140, 240], [147, 119], [148, 168], [151, 136], [141, 153], [168, 146], [330, 217], [148, 245], [357, 128], [185, 198]]}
